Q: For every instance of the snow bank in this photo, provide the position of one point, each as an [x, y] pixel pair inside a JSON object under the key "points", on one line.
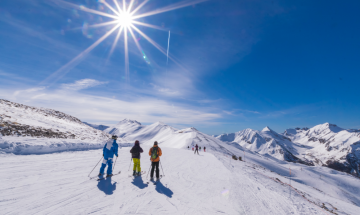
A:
{"points": [[28, 145], [32, 130]]}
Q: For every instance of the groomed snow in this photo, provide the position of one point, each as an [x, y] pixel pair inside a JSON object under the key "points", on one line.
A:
{"points": [[193, 184]]}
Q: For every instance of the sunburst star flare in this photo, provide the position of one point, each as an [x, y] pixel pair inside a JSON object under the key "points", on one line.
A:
{"points": [[124, 21]]}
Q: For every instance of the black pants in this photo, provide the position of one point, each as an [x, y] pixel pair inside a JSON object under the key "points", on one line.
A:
{"points": [[153, 165], [196, 150]]}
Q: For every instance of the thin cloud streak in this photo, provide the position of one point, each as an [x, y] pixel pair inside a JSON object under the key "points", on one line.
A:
{"points": [[82, 84], [31, 90]]}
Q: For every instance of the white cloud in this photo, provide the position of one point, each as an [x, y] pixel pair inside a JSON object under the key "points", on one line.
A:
{"points": [[165, 91], [100, 108], [31, 90], [82, 84]]}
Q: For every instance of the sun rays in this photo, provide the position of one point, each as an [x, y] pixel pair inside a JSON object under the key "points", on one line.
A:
{"points": [[124, 14]]}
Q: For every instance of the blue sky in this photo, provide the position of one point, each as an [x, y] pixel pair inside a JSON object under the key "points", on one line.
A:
{"points": [[238, 63]]}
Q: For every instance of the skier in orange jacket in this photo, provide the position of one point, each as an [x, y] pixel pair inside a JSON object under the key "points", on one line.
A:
{"points": [[155, 153]]}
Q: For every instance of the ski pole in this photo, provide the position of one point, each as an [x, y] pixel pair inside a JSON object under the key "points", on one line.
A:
{"points": [[114, 164], [162, 168], [130, 164], [148, 172], [95, 166]]}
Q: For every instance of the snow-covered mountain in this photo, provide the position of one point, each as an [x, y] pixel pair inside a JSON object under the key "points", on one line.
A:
{"points": [[330, 145], [27, 130], [98, 127], [167, 136], [322, 145], [266, 141]]}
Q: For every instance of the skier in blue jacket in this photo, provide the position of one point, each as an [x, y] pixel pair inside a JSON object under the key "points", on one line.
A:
{"points": [[110, 149]]}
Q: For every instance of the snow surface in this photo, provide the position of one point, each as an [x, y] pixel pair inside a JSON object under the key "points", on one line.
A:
{"points": [[27, 122], [207, 184]]}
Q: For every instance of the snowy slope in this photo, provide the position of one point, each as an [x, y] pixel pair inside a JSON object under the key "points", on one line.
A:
{"points": [[28, 130], [330, 145], [207, 184], [124, 127], [266, 141], [165, 135], [98, 127], [132, 130], [322, 145]]}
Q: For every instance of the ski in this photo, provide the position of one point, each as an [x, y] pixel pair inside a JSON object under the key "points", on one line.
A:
{"points": [[109, 176], [142, 173]]}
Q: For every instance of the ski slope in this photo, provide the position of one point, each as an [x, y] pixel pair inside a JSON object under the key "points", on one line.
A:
{"points": [[209, 183]]}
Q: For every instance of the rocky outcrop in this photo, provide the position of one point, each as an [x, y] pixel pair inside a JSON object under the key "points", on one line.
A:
{"points": [[16, 129]]}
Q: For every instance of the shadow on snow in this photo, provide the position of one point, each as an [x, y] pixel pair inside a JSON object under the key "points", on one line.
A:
{"points": [[160, 188], [137, 181], [106, 186]]}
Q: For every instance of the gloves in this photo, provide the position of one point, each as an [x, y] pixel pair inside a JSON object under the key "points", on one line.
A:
{"points": [[117, 156], [103, 155]]}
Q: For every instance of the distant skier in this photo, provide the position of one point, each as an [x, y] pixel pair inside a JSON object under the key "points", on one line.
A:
{"points": [[196, 149], [204, 148], [135, 153], [200, 148], [188, 147], [193, 148], [155, 153], [110, 149]]}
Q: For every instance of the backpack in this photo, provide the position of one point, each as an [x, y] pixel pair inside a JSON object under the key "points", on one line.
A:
{"points": [[154, 153]]}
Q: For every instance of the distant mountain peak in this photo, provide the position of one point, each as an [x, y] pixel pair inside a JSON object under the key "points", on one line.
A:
{"points": [[159, 123], [128, 121], [267, 129], [332, 127]]}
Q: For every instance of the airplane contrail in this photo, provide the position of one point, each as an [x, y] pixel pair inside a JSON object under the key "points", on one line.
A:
{"points": [[167, 54]]}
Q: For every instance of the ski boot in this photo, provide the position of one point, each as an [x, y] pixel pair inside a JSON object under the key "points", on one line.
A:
{"points": [[138, 173], [100, 174], [134, 173], [152, 179], [109, 175]]}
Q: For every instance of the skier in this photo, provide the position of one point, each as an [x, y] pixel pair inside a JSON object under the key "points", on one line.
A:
{"points": [[155, 153], [188, 147], [193, 148], [110, 149], [200, 148], [204, 148], [135, 153], [196, 149]]}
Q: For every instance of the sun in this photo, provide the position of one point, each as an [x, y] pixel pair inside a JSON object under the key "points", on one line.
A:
{"points": [[124, 20]]}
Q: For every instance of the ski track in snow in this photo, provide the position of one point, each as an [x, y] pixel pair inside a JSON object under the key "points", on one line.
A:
{"points": [[193, 184]]}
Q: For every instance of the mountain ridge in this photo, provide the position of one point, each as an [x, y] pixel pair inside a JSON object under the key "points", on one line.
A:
{"points": [[322, 145], [27, 130]]}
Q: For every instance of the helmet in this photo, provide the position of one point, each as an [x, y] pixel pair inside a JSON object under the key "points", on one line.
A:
{"points": [[114, 137]]}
